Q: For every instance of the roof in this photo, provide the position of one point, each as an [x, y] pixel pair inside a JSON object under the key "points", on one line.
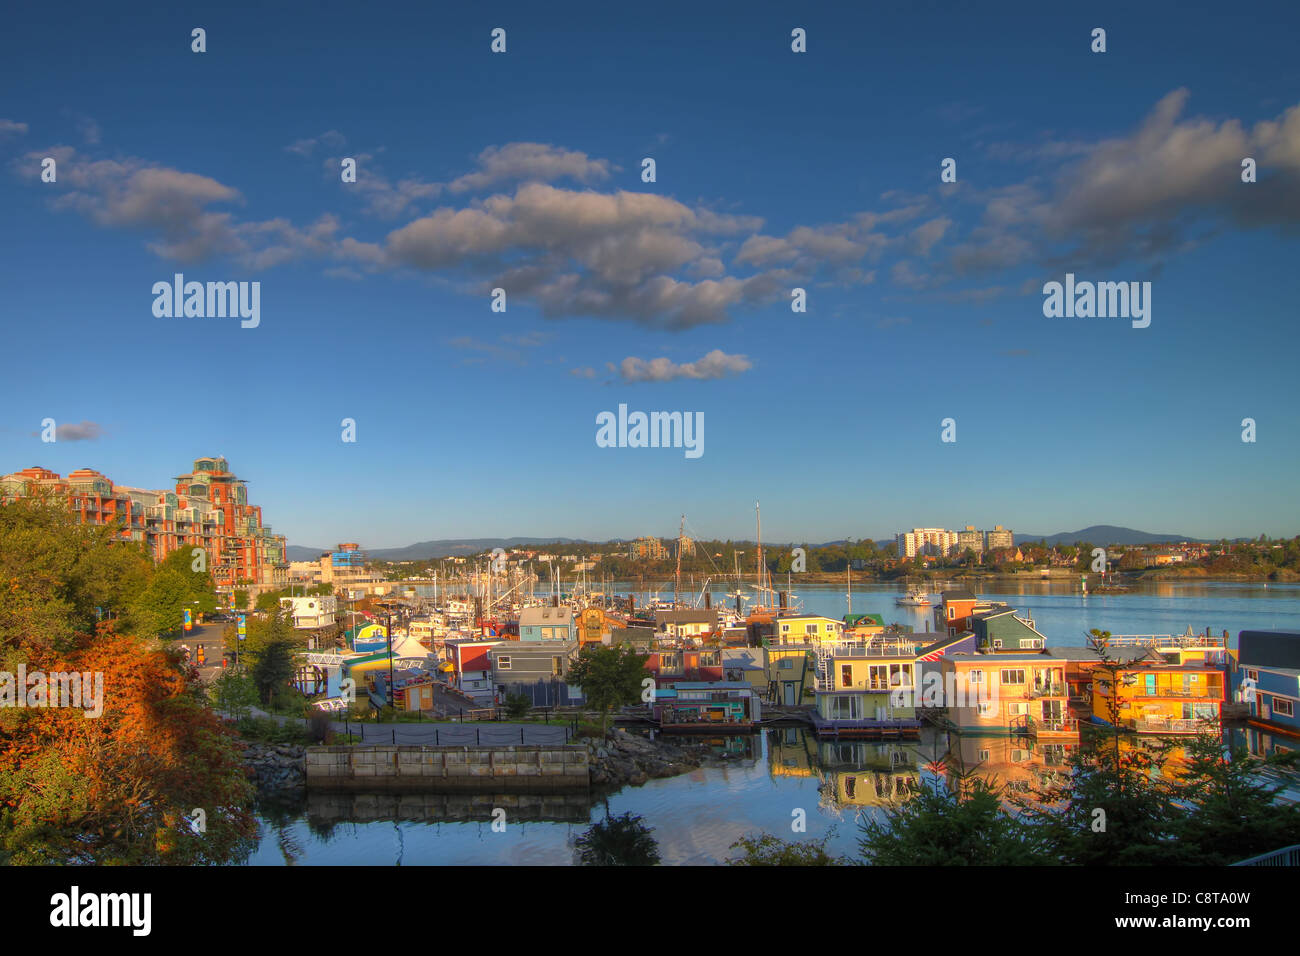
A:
{"points": [[535, 616], [686, 617], [540, 648], [947, 640], [712, 685], [994, 612], [1284, 671], [1269, 648], [999, 656], [960, 594], [852, 619], [1123, 655], [463, 641]]}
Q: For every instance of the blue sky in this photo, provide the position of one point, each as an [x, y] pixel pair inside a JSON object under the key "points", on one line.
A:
{"points": [[775, 170]]}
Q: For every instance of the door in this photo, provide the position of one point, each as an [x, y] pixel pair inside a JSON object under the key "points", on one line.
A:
{"points": [[790, 692]]}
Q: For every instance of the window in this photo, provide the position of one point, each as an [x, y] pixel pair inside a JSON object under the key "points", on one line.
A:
{"points": [[1283, 707], [1018, 709], [810, 628], [1013, 675], [997, 643], [845, 708], [1252, 675], [986, 708], [785, 664], [975, 677], [846, 675], [984, 755]]}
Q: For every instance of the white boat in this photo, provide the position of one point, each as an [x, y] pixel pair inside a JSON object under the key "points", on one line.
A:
{"points": [[915, 597]]}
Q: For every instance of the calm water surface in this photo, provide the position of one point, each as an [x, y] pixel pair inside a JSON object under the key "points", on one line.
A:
{"points": [[766, 778]]}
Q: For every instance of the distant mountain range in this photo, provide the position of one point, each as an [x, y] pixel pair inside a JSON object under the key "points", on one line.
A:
{"points": [[1099, 534], [1105, 534], [443, 548]]}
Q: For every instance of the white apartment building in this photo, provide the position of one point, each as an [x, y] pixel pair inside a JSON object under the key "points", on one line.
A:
{"points": [[941, 543], [935, 542]]}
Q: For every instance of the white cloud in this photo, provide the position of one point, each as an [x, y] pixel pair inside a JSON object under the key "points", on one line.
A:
{"points": [[716, 364]]}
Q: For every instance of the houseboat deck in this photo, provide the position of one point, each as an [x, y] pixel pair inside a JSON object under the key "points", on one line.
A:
{"points": [[865, 728]]}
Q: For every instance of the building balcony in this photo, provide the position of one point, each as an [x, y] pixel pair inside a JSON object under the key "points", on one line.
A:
{"points": [[1046, 690], [1166, 640], [901, 649], [1170, 725], [1211, 692], [1056, 725]]}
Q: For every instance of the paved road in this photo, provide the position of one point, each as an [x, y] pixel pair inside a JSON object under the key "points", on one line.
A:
{"points": [[208, 637]]}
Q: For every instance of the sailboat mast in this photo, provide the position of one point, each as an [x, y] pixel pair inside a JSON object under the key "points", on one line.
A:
{"points": [[677, 586], [762, 577]]}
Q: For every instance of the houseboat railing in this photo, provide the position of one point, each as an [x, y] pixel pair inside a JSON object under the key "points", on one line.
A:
{"points": [[1165, 640], [1212, 692], [1057, 724], [1287, 856], [858, 649], [1176, 726]]}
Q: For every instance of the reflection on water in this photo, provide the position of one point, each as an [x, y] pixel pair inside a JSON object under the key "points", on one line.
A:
{"points": [[759, 783], [1062, 612]]}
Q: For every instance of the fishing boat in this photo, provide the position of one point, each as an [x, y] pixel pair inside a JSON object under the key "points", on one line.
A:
{"points": [[915, 597]]}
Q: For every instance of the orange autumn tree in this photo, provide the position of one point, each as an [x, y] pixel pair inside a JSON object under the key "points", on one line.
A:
{"points": [[121, 787]]}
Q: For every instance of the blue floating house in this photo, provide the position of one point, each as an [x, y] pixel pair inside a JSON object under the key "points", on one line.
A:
{"points": [[1268, 678]]}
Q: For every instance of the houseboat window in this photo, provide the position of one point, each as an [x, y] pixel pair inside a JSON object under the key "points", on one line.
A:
{"points": [[845, 708], [1013, 676], [850, 784], [785, 664], [1018, 709], [846, 675], [987, 709], [997, 643], [975, 677], [1283, 707], [1253, 675], [983, 755]]}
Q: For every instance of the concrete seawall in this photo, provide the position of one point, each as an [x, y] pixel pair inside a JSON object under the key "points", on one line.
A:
{"points": [[520, 769]]}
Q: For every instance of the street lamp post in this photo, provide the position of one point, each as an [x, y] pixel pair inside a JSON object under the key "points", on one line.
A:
{"points": [[392, 689]]}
